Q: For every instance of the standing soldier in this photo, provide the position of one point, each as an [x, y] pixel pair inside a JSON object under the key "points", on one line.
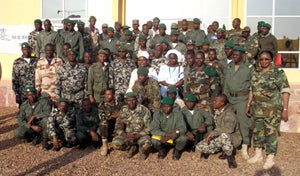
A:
{"points": [[158, 59], [250, 44], [32, 38], [268, 41], [175, 44], [236, 32], [157, 39], [135, 28], [23, 73], [110, 41], [218, 44], [133, 128], [94, 33], [196, 34], [103, 35], [86, 37]]}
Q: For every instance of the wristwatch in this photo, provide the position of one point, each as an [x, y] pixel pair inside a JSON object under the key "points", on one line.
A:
{"points": [[177, 131]]}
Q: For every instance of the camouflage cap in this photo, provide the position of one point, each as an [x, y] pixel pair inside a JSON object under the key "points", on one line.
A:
{"points": [[80, 23], [162, 26], [229, 44], [239, 48], [135, 21], [167, 100], [196, 20], [190, 97], [220, 30], [104, 25], [143, 71], [30, 89], [118, 23], [246, 29], [174, 26], [92, 17], [101, 51], [156, 18], [64, 100], [130, 95], [172, 89], [142, 37], [128, 32], [111, 29], [25, 45], [190, 42], [174, 32], [37, 21]]}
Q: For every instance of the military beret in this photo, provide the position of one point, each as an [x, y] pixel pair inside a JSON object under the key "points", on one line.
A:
{"points": [[118, 23], [260, 23], [128, 32], [64, 100], [206, 42], [162, 25], [220, 30], [104, 25], [123, 47], [267, 25], [135, 21], [80, 23], [133, 55], [167, 100], [229, 44], [92, 17], [101, 51], [190, 42], [114, 53], [172, 89], [130, 95], [25, 45], [142, 37], [111, 29], [197, 20], [142, 71], [174, 32], [126, 27], [155, 18], [37, 21], [144, 54], [190, 97], [174, 26], [30, 89], [65, 21], [165, 41], [246, 29], [239, 48], [71, 22]]}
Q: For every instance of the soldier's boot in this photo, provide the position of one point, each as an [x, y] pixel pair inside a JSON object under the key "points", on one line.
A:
{"points": [[37, 139], [132, 151], [269, 162], [231, 161], [245, 155], [162, 153], [257, 157], [223, 156], [45, 145], [104, 148], [204, 155], [176, 154]]}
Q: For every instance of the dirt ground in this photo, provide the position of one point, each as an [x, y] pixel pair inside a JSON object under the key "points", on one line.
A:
{"points": [[17, 158]]}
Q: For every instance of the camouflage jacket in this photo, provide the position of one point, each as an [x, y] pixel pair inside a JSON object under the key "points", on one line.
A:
{"points": [[32, 39], [157, 63], [251, 46], [87, 41], [94, 35], [219, 46]]}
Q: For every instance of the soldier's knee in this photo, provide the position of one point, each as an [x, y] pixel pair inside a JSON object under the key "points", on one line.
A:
{"points": [[156, 143], [81, 136], [182, 139]]}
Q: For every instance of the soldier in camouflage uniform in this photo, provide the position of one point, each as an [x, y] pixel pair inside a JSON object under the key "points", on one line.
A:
{"points": [[129, 42], [45, 73], [218, 44], [95, 35], [157, 39], [226, 135], [257, 34], [146, 36], [147, 90], [236, 88], [32, 38], [61, 125], [86, 37], [71, 80], [268, 100], [32, 118], [158, 60], [23, 73], [196, 34], [133, 128], [215, 63], [235, 33]]}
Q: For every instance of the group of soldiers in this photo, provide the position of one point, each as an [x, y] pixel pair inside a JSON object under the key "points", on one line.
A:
{"points": [[141, 90]]}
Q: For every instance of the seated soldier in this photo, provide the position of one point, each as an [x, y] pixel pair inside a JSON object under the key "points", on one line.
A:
{"points": [[168, 127], [226, 136], [199, 122], [147, 90], [32, 118], [61, 125], [133, 128], [172, 93], [108, 112], [87, 124]]}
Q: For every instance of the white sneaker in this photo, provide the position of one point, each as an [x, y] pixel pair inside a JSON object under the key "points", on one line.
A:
{"points": [[269, 162], [257, 157], [245, 155]]}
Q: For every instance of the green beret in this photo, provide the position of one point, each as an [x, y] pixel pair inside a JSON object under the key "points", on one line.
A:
{"points": [[30, 89], [142, 37], [25, 45], [92, 17], [167, 100], [143, 71], [197, 20], [229, 44], [174, 32], [220, 30], [118, 23], [190, 97], [80, 23], [206, 42], [65, 21], [64, 100], [172, 89], [37, 21], [128, 32], [101, 51], [162, 25], [71, 22], [133, 56], [260, 23], [190, 42], [155, 18], [111, 29], [267, 25], [165, 41], [130, 95], [123, 47], [239, 48], [114, 53]]}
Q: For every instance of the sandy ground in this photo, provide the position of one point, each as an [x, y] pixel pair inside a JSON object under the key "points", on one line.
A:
{"points": [[17, 158]]}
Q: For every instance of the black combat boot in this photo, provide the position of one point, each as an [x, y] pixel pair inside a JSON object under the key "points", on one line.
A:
{"points": [[176, 154], [204, 155], [45, 145], [37, 139], [231, 161], [223, 156], [162, 153]]}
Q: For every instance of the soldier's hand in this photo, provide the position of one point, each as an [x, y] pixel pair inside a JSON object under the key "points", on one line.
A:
{"points": [[248, 111], [94, 136], [92, 99], [36, 128], [190, 136], [31, 119], [164, 139], [284, 116], [208, 138], [201, 106], [18, 99], [202, 128]]}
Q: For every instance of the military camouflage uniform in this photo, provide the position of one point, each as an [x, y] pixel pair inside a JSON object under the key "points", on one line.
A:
{"points": [[32, 39], [197, 35], [219, 46], [71, 82], [148, 94], [45, 76], [234, 35], [119, 76], [87, 41], [94, 35], [62, 125], [136, 122], [43, 39], [23, 74], [41, 110], [266, 107], [226, 136], [251, 46], [157, 63]]}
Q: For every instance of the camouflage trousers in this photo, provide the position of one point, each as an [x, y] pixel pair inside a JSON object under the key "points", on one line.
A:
{"points": [[106, 128], [144, 143], [265, 133], [66, 134], [219, 143]]}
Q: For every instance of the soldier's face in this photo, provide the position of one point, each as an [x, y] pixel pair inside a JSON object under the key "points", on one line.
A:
{"points": [[184, 25], [235, 23], [92, 22], [265, 30], [80, 27], [109, 96], [220, 35], [31, 96], [218, 103], [128, 37], [228, 51], [212, 55], [135, 26], [122, 53], [70, 27], [191, 47], [26, 52], [63, 106], [167, 109], [38, 26], [104, 30], [161, 31], [101, 58], [174, 38], [142, 78], [87, 58], [172, 95], [205, 47], [118, 27], [145, 29], [86, 105], [265, 60], [196, 26], [156, 23], [157, 51], [142, 62], [110, 34], [131, 102], [65, 50], [190, 105], [71, 56], [142, 42], [199, 59], [237, 56], [47, 26], [190, 60], [215, 26], [49, 51], [245, 34]]}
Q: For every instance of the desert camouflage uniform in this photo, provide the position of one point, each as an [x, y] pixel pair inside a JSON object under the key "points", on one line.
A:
{"points": [[62, 125], [266, 106], [32, 39], [225, 136], [45, 76], [251, 46], [219, 46], [43, 39], [71, 82], [94, 35], [136, 122], [148, 94], [23, 74]]}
